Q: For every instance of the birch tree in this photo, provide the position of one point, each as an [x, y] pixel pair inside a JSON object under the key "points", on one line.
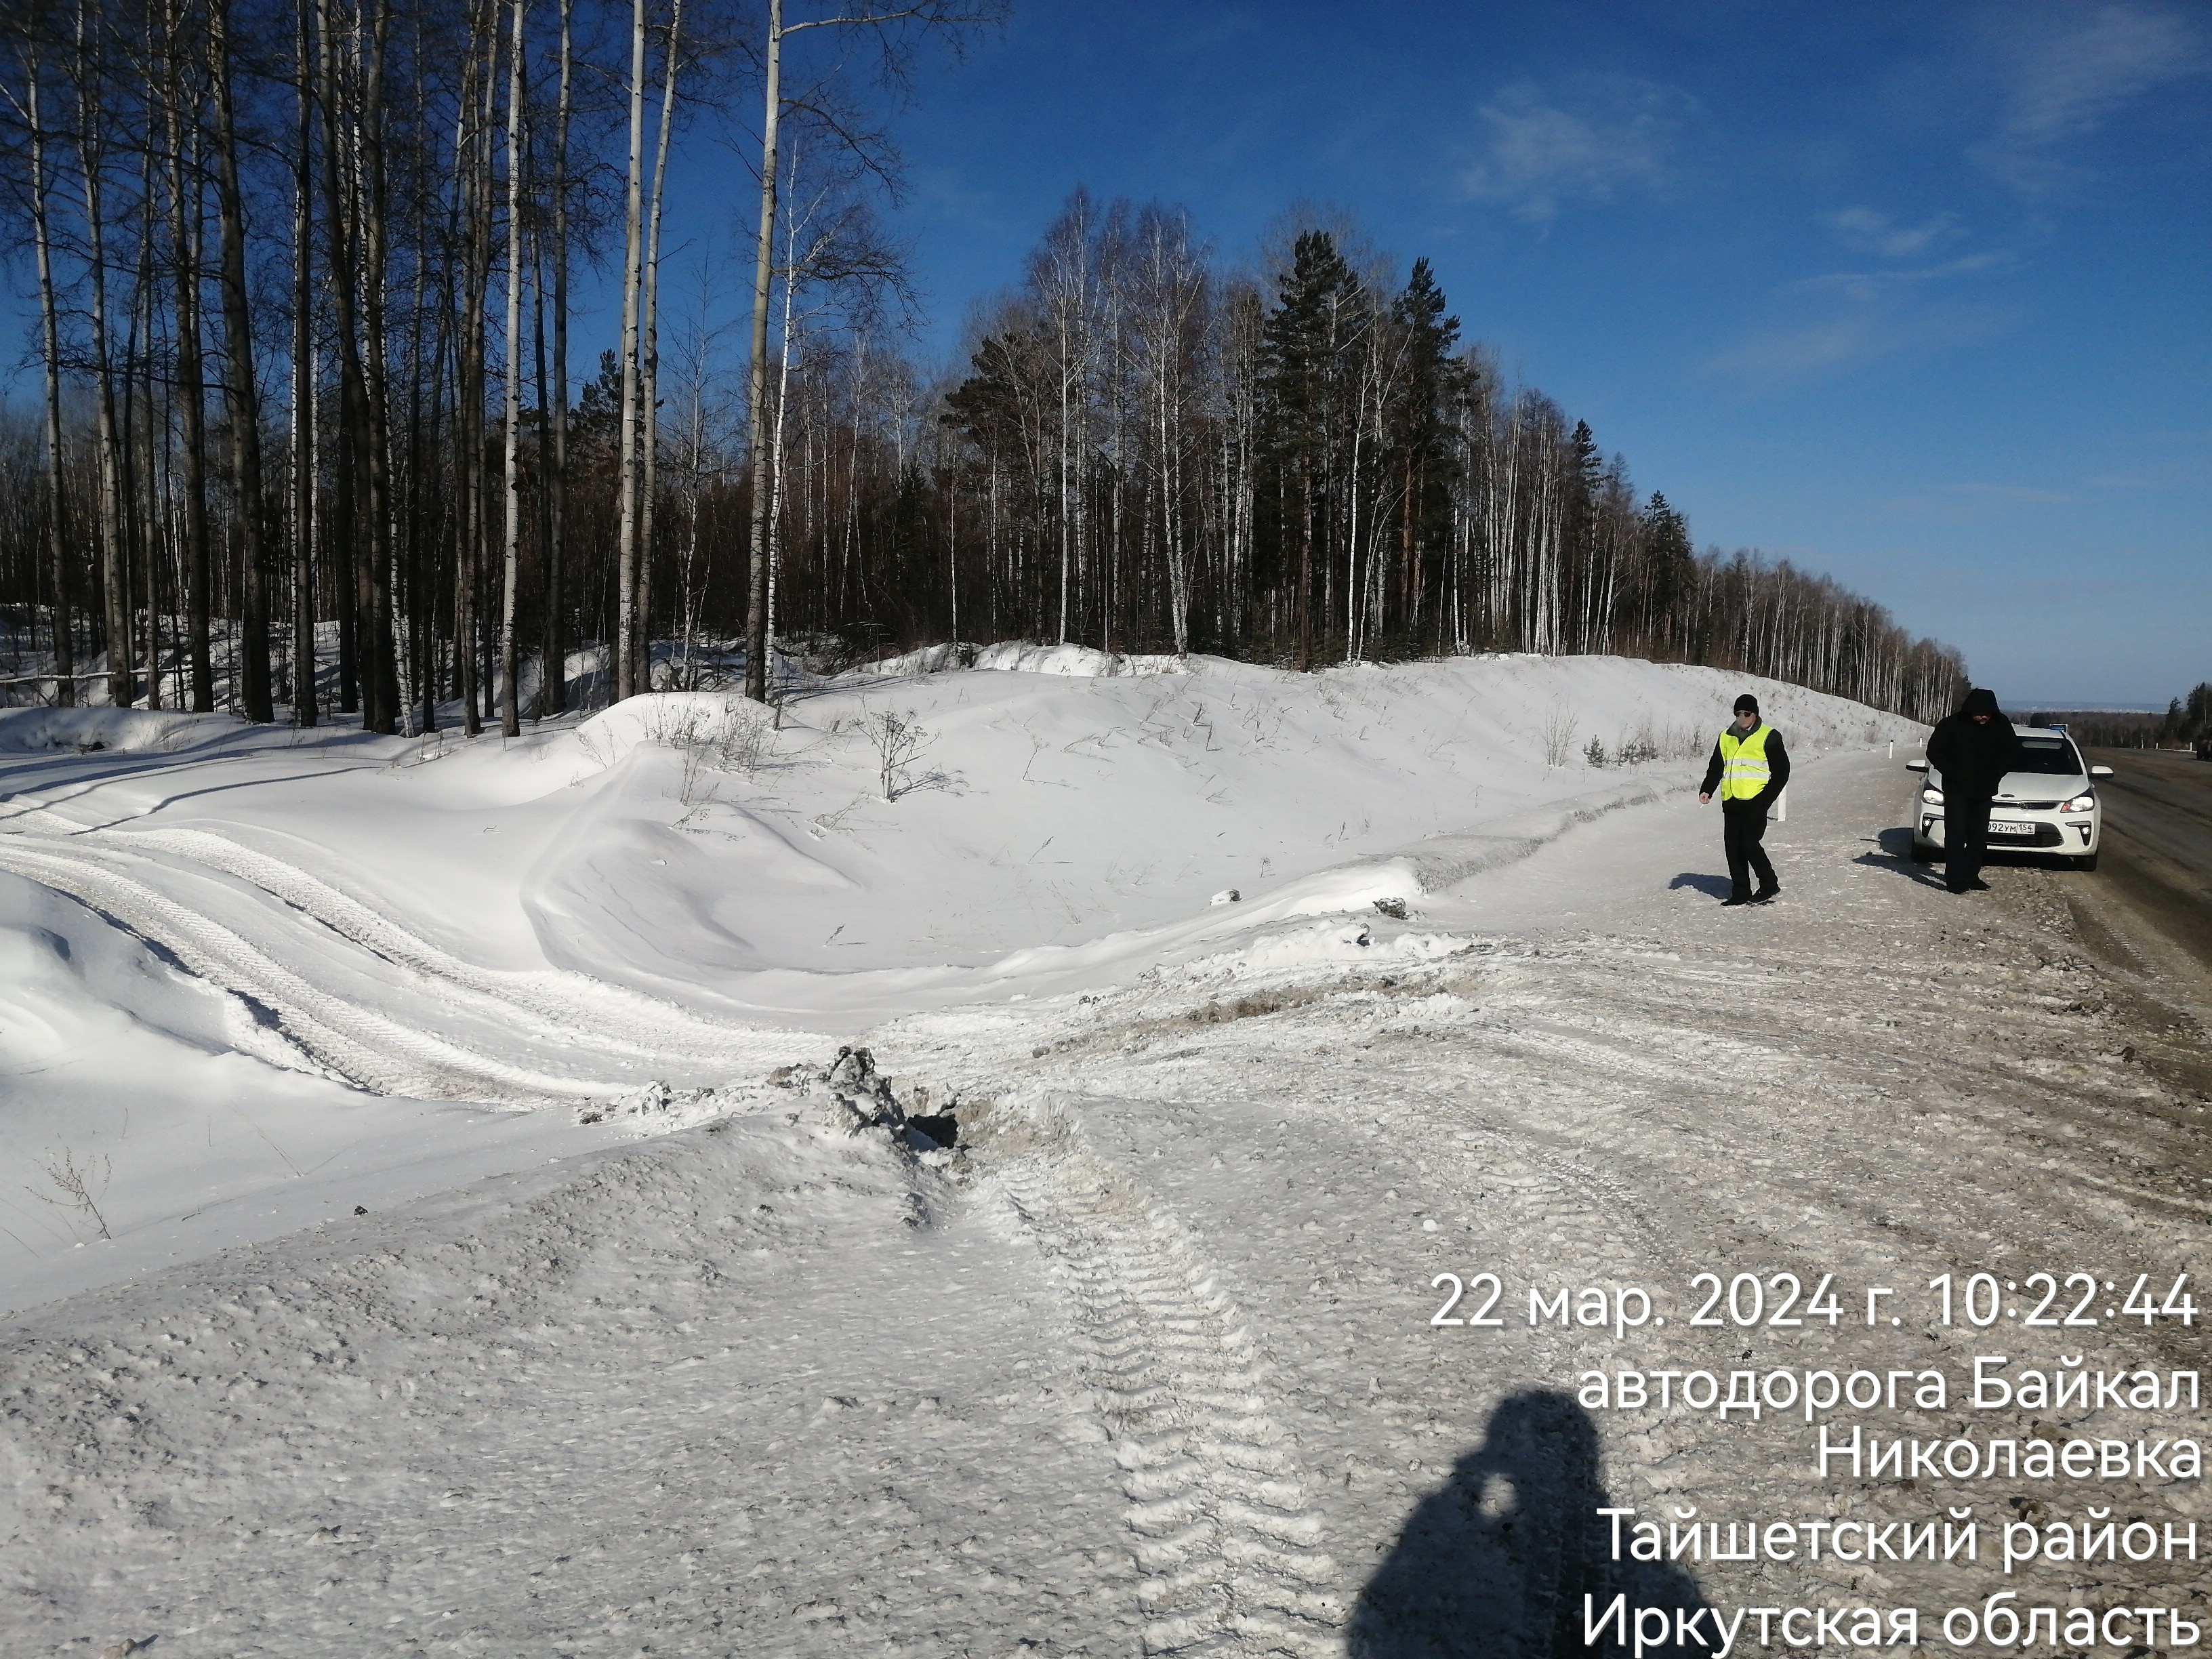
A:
{"points": [[242, 386], [29, 106], [895, 33], [553, 693]]}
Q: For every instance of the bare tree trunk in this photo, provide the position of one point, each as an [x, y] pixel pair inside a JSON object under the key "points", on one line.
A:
{"points": [[758, 644], [552, 680], [471, 157], [245, 399], [544, 502], [437, 442], [190, 389], [351, 267], [380, 703], [511, 570], [138, 434], [649, 355], [122, 689], [467, 394], [775, 443], [51, 356], [304, 710], [626, 683], [340, 181], [427, 501]]}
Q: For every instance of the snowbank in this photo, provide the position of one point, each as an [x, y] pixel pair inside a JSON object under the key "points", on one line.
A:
{"points": [[123, 730], [256, 971], [895, 838], [148, 1114], [1024, 657]]}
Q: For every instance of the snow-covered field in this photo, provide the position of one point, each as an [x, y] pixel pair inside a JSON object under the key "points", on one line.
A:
{"points": [[494, 1269]]}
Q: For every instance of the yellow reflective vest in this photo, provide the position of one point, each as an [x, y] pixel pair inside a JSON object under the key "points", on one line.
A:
{"points": [[1744, 771]]}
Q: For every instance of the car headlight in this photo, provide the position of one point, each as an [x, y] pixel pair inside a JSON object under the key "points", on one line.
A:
{"points": [[2079, 804], [1933, 796]]}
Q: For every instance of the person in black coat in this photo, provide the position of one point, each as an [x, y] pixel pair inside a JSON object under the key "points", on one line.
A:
{"points": [[1972, 751], [1751, 768]]}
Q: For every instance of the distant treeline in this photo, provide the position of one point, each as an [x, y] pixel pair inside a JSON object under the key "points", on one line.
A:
{"points": [[1150, 452], [304, 286], [2186, 724]]}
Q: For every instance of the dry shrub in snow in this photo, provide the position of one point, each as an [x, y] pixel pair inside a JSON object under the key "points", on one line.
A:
{"points": [[76, 1186], [736, 737], [898, 740], [1559, 728]]}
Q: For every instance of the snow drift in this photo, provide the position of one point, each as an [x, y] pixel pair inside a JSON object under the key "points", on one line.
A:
{"points": [[267, 961]]}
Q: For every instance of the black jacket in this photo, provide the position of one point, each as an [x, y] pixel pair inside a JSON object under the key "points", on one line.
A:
{"points": [[1778, 772], [1972, 757]]}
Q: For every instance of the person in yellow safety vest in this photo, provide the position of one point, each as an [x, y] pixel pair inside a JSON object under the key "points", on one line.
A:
{"points": [[1750, 769]]}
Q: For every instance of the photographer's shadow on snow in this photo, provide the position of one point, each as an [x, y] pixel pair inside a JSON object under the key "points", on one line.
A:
{"points": [[1498, 1562], [1713, 886], [1896, 854]]}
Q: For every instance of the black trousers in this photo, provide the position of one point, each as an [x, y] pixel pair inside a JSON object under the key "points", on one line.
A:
{"points": [[1965, 838], [1743, 824]]}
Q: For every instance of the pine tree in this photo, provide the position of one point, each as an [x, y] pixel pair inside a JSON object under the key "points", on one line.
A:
{"points": [[1583, 580], [1304, 418], [1670, 570], [1432, 385]]}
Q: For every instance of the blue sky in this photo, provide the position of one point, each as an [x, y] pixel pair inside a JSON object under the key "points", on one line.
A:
{"points": [[1920, 296]]}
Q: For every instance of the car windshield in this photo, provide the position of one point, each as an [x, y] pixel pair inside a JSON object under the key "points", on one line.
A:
{"points": [[2056, 756]]}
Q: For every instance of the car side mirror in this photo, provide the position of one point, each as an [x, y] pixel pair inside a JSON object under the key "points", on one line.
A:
{"points": [[1916, 766], [2100, 771]]}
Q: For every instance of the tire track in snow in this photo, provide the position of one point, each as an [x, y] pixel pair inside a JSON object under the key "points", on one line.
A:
{"points": [[1549, 1172], [1229, 1549], [561, 1004], [1459, 1129], [1562, 1192], [362, 1046]]}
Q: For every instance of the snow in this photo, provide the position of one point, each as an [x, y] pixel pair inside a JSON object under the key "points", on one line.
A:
{"points": [[1051, 825], [494, 1271]]}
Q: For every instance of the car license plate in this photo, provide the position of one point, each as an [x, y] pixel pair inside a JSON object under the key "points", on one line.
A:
{"points": [[2010, 827]]}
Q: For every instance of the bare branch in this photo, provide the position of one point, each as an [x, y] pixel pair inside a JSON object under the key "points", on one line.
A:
{"points": [[76, 1186]]}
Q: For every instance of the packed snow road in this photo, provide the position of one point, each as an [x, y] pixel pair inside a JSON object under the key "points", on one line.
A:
{"points": [[1149, 1363]]}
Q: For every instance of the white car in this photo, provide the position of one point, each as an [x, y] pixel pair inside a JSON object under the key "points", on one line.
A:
{"points": [[2046, 804]]}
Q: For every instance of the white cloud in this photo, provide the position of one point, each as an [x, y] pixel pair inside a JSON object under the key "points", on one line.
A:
{"points": [[1846, 321], [1793, 353], [1866, 286], [1579, 144], [1840, 321], [1877, 233], [1973, 503], [2064, 83], [2008, 492]]}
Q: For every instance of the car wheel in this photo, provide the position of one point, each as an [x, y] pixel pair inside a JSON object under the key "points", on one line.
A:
{"points": [[2089, 863], [1922, 852]]}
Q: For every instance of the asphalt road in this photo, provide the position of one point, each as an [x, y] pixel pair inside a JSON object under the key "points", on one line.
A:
{"points": [[2157, 848]]}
